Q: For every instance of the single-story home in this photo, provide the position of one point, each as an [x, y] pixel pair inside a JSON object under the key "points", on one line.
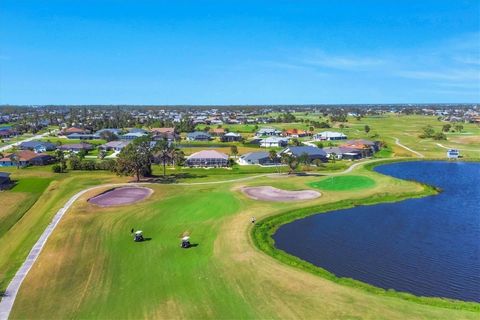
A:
{"points": [[25, 158], [268, 132], [217, 132], [115, 145], [343, 153], [198, 136], [272, 142], [114, 131], [132, 135], [366, 146], [5, 182], [231, 137], [259, 158], [313, 153], [72, 130], [207, 158], [76, 147], [329, 136], [164, 133], [37, 146], [296, 133], [7, 133], [82, 136]]}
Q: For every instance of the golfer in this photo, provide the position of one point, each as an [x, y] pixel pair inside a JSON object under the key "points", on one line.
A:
{"points": [[253, 219]]}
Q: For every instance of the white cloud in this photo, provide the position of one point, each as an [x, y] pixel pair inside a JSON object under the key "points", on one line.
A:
{"points": [[447, 75]]}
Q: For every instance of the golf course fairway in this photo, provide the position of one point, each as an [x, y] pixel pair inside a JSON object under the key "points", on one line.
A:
{"points": [[92, 268]]}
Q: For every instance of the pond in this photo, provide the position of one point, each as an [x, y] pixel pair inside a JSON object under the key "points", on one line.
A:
{"points": [[428, 246]]}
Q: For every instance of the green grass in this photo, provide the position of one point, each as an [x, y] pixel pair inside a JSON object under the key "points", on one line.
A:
{"points": [[343, 183]]}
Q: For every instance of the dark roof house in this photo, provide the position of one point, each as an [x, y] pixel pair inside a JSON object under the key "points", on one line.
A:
{"points": [[312, 152]]}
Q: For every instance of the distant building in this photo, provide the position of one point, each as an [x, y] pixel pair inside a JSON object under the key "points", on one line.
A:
{"points": [[207, 158], [296, 133], [115, 145], [367, 147], [343, 153], [198, 136], [76, 147], [453, 154], [37, 146], [168, 134], [25, 158], [312, 152], [329, 136], [268, 132], [258, 158], [133, 135], [72, 130], [231, 137], [273, 142], [82, 136]]}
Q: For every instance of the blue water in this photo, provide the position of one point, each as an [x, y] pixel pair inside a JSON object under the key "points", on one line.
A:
{"points": [[428, 246]]}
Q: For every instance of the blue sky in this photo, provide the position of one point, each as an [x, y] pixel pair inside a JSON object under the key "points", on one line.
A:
{"points": [[239, 52]]}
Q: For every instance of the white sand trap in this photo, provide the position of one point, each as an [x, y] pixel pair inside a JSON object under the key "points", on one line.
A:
{"points": [[269, 193]]}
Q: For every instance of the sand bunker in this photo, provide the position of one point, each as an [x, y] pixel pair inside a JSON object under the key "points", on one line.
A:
{"points": [[273, 194], [121, 196]]}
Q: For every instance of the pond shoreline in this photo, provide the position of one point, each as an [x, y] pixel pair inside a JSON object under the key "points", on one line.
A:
{"points": [[263, 231]]}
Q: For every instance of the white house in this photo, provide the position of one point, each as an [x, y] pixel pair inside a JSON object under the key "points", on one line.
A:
{"points": [[329, 135], [274, 142]]}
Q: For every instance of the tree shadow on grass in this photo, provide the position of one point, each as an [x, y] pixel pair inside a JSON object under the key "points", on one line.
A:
{"points": [[172, 178]]}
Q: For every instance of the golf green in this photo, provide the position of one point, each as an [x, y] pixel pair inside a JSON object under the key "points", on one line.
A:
{"points": [[343, 183]]}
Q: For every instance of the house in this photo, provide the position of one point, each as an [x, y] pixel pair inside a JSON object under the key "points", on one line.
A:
{"points": [[133, 135], [69, 131], [137, 130], [453, 154], [207, 158], [37, 146], [111, 131], [268, 132], [82, 136], [272, 142], [76, 147], [164, 133], [25, 158], [258, 158], [329, 136], [5, 182], [343, 153], [313, 153], [115, 145], [367, 147], [231, 137], [296, 133], [6, 133], [198, 136], [217, 132]]}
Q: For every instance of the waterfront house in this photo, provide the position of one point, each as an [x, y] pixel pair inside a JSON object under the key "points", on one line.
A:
{"points": [[367, 147], [273, 142], [207, 158], [343, 153], [25, 158], [329, 136], [198, 136], [258, 158]]}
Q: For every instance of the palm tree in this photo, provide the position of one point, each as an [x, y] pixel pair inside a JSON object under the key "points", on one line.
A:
{"points": [[234, 151], [290, 161], [272, 155]]}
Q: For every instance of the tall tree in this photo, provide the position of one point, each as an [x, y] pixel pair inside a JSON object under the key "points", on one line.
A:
{"points": [[290, 161], [136, 158], [234, 151]]}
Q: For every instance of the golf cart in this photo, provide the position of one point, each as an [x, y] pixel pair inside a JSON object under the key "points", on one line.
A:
{"points": [[185, 242], [138, 236]]}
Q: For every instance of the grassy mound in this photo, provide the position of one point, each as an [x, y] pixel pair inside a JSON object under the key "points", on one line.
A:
{"points": [[343, 183]]}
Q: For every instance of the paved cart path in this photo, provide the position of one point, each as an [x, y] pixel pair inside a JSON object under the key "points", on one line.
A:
{"points": [[397, 142]]}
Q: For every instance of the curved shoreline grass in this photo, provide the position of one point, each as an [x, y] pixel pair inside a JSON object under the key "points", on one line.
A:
{"points": [[264, 229]]}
